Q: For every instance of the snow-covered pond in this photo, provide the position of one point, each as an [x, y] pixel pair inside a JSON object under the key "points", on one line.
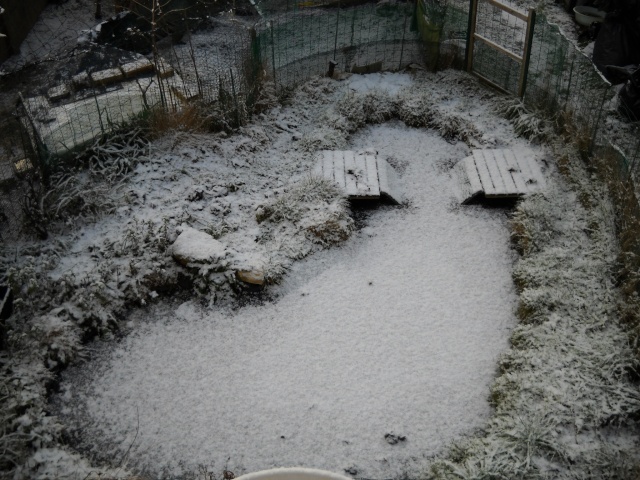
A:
{"points": [[396, 332]]}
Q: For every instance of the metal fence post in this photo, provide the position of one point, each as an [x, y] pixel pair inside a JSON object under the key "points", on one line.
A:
{"points": [[597, 124]]}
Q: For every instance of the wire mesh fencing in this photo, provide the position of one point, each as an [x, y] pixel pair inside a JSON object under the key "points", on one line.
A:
{"points": [[563, 80], [93, 87], [304, 42], [17, 161]]}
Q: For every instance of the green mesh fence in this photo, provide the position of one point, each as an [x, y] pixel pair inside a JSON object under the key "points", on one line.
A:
{"points": [[509, 32], [297, 40], [562, 79], [297, 45]]}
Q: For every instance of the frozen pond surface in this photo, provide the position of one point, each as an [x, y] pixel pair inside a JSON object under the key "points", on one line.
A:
{"points": [[397, 332]]}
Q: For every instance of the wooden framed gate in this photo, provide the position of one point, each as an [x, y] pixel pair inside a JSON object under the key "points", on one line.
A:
{"points": [[497, 26]]}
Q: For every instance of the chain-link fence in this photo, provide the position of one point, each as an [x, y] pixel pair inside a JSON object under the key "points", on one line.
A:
{"points": [[77, 79]]}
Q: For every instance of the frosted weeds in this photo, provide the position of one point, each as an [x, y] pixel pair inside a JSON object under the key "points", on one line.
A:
{"points": [[566, 403], [395, 333], [215, 184]]}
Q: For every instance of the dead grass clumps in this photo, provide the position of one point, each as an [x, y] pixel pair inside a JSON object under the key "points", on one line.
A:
{"points": [[568, 377], [312, 213], [525, 124]]}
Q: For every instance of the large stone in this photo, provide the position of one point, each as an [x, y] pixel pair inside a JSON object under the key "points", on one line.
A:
{"points": [[195, 247], [252, 277]]}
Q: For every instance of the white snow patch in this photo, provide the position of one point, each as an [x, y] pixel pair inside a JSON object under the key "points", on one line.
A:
{"points": [[388, 82], [398, 332], [195, 246]]}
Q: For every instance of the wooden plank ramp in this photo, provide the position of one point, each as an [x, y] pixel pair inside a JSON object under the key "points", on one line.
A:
{"points": [[500, 173], [362, 175]]}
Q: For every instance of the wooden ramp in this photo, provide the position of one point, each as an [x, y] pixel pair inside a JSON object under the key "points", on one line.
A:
{"points": [[499, 174], [362, 175]]}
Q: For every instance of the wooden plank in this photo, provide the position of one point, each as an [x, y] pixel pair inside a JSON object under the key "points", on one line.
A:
{"points": [[526, 54], [515, 171], [528, 176], [318, 170], [483, 172], [389, 184], [338, 169], [500, 189], [499, 48], [508, 9], [359, 173], [472, 175], [492, 83], [349, 169], [532, 175], [372, 175], [468, 180], [327, 165], [505, 172]]}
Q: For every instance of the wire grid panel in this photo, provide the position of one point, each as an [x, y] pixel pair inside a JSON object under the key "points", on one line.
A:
{"points": [[562, 79], [442, 25], [16, 161], [299, 45], [499, 44], [213, 57]]}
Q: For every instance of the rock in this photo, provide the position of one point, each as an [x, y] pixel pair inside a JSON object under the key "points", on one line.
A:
{"points": [[193, 246], [252, 277], [196, 194], [219, 191]]}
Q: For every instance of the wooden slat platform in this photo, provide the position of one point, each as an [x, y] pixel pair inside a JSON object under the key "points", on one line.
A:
{"points": [[362, 175], [499, 174]]}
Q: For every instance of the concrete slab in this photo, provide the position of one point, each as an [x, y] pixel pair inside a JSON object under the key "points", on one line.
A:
{"points": [[139, 67], [106, 77], [58, 93]]}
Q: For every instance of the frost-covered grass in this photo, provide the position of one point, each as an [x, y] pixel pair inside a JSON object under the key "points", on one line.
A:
{"points": [[564, 402], [567, 399]]}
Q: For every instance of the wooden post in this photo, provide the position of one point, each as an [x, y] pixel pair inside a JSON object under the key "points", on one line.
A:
{"points": [[404, 29], [332, 68], [526, 56], [273, 59], [471, 31]]}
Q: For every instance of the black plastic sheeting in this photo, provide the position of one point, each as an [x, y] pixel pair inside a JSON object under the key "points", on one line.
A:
{"points": [[618, 41], [630, 98]]}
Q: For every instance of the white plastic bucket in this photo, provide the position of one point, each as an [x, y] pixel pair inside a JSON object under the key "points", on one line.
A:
{"points": [[293, 474], [587, 15]]}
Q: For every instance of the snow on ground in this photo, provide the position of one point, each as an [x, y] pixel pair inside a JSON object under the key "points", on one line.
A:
{"points": [[397, 332]]}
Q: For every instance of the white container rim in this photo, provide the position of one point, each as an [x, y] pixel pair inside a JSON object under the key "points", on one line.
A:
{"points": [[295, 473]]}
